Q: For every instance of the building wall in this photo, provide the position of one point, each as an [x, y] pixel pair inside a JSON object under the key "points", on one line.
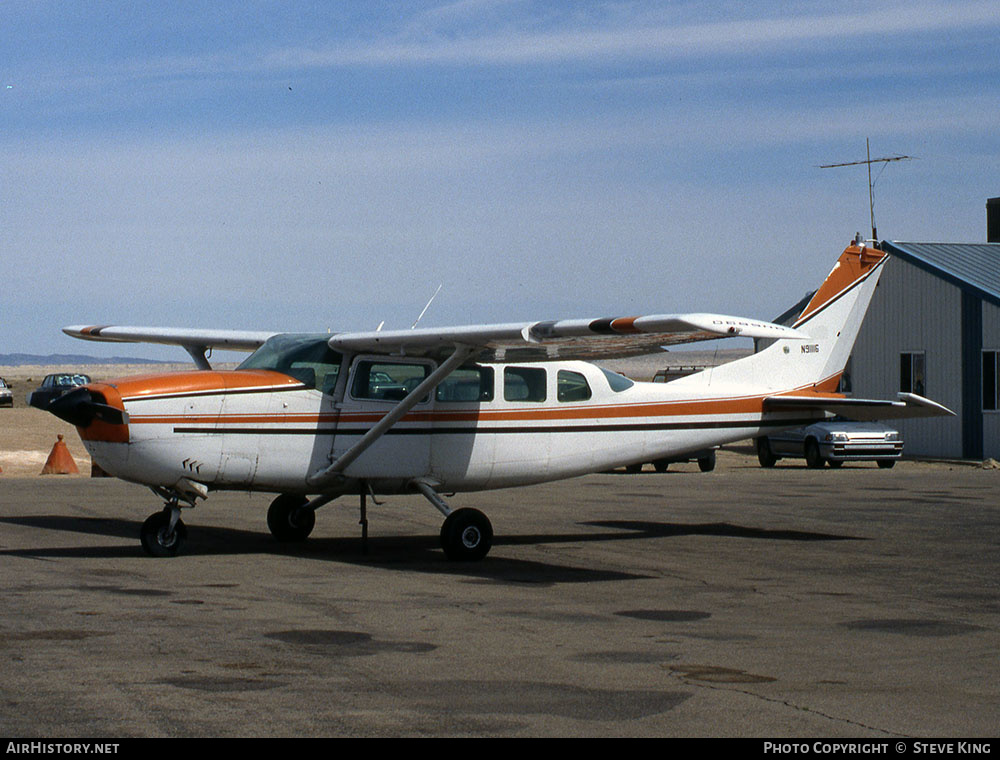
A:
{"points": [[991, 342], [913, 311]]}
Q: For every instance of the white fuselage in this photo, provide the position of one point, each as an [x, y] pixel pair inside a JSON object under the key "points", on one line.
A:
{"points": [[265, 431]]}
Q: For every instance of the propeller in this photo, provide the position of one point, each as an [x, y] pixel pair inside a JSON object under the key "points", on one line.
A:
{"points": [[80, 407]]}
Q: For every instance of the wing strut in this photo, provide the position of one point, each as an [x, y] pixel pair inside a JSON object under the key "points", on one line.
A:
{"points": [[198, 354], [335, 471]]}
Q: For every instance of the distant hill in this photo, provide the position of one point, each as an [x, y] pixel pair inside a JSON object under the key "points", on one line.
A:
{"points": [[16, 360]]}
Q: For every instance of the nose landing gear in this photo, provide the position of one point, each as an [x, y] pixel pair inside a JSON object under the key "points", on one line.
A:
{"points": [[163, 534]]}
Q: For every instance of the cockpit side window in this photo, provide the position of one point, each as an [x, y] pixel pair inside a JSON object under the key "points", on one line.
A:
{"points": [[387, 381]]}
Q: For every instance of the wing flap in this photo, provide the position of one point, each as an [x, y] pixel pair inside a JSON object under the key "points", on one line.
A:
{"points": [[909, 405], [564, 339]]}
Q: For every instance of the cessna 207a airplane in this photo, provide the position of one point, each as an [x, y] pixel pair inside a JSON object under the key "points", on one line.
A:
{"points": [[447, 410]]}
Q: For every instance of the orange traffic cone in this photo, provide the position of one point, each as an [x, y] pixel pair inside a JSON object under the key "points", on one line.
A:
{"points": [[60, 461]]}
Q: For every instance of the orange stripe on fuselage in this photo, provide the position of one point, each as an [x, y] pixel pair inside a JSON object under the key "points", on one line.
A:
{"points": [[209, 382]]}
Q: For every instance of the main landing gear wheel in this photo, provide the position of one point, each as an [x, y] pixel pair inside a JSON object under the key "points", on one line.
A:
{"points": [[466, 535], [288, 520], [157, 537]]}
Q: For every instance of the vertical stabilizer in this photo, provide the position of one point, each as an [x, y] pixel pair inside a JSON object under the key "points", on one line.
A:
{"points": [[831, 319]]}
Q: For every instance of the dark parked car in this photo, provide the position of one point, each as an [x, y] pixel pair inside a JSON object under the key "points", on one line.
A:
{"points": [[833, 442], [53, 386]]}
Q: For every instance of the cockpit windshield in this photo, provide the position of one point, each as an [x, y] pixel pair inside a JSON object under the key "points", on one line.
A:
{"points": [[307, 358]]}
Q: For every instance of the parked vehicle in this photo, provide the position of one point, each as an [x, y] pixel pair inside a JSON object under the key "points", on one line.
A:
{"points": [[705, 460], [833, 442], [55, 385], [6, 394]]}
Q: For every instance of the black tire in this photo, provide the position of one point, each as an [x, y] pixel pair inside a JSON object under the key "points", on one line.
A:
{"points": [[633, 469], [661, 465], [287, 520], [886, 464], [835, 463], [764, 454], [813, 458], [155, 539], [707, 464], [466, 535]]}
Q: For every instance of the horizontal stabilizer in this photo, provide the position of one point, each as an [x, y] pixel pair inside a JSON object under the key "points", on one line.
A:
{"points": [[908, 405]]}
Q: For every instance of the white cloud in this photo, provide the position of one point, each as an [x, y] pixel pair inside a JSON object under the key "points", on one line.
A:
{"points": [[654, 39]]}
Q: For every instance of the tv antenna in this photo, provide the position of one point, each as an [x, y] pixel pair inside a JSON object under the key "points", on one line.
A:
{"points": [[885, 161]]}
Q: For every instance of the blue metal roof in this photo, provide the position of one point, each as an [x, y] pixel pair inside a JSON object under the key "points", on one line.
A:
{"points": [[973, 267]]}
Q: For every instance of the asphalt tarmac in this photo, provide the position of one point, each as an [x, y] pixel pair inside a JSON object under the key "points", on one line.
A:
{"points": [[744, 602]]}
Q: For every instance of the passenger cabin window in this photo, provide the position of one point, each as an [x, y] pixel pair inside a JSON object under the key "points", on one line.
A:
{"points": [[524, 384], [911, 373], [306, 358], [386, 381], [572, 386], [467, 384]]}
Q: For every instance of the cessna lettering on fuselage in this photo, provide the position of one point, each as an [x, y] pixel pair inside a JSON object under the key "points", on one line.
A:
{"points": [[448, 410]]}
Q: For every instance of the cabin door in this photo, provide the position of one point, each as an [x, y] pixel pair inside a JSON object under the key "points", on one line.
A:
{"points": [[376, 384]]}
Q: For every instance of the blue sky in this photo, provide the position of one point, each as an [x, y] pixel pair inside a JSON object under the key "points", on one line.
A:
{"points": [[299, 166]]}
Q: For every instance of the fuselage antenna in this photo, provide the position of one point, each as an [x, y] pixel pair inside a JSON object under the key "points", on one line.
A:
{"points": [[426, 307]]}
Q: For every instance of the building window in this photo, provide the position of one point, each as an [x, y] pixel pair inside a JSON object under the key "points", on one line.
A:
{"points": [[911, 373], [991, 381]]}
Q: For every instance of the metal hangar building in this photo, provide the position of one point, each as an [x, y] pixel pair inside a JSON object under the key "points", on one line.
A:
{"points": [[933, 328]]}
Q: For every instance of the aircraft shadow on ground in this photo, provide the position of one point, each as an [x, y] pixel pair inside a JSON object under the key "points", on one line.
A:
{"points": [[420, 553]]}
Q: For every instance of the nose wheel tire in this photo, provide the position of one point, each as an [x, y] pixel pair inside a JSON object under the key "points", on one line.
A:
{"points": [[157, 538], [288, 520], [466, 535]]}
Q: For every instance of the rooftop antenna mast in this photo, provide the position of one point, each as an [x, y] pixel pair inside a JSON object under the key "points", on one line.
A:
{"points": [[871, 185]]}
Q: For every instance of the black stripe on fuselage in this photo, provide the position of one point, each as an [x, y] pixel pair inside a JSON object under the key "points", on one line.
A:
{"points": [[521, 430]]}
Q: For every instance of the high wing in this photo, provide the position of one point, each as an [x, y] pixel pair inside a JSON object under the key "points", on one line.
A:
{"points": [[233, 340], [195, 342], [909, 405], [563, 339]]}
